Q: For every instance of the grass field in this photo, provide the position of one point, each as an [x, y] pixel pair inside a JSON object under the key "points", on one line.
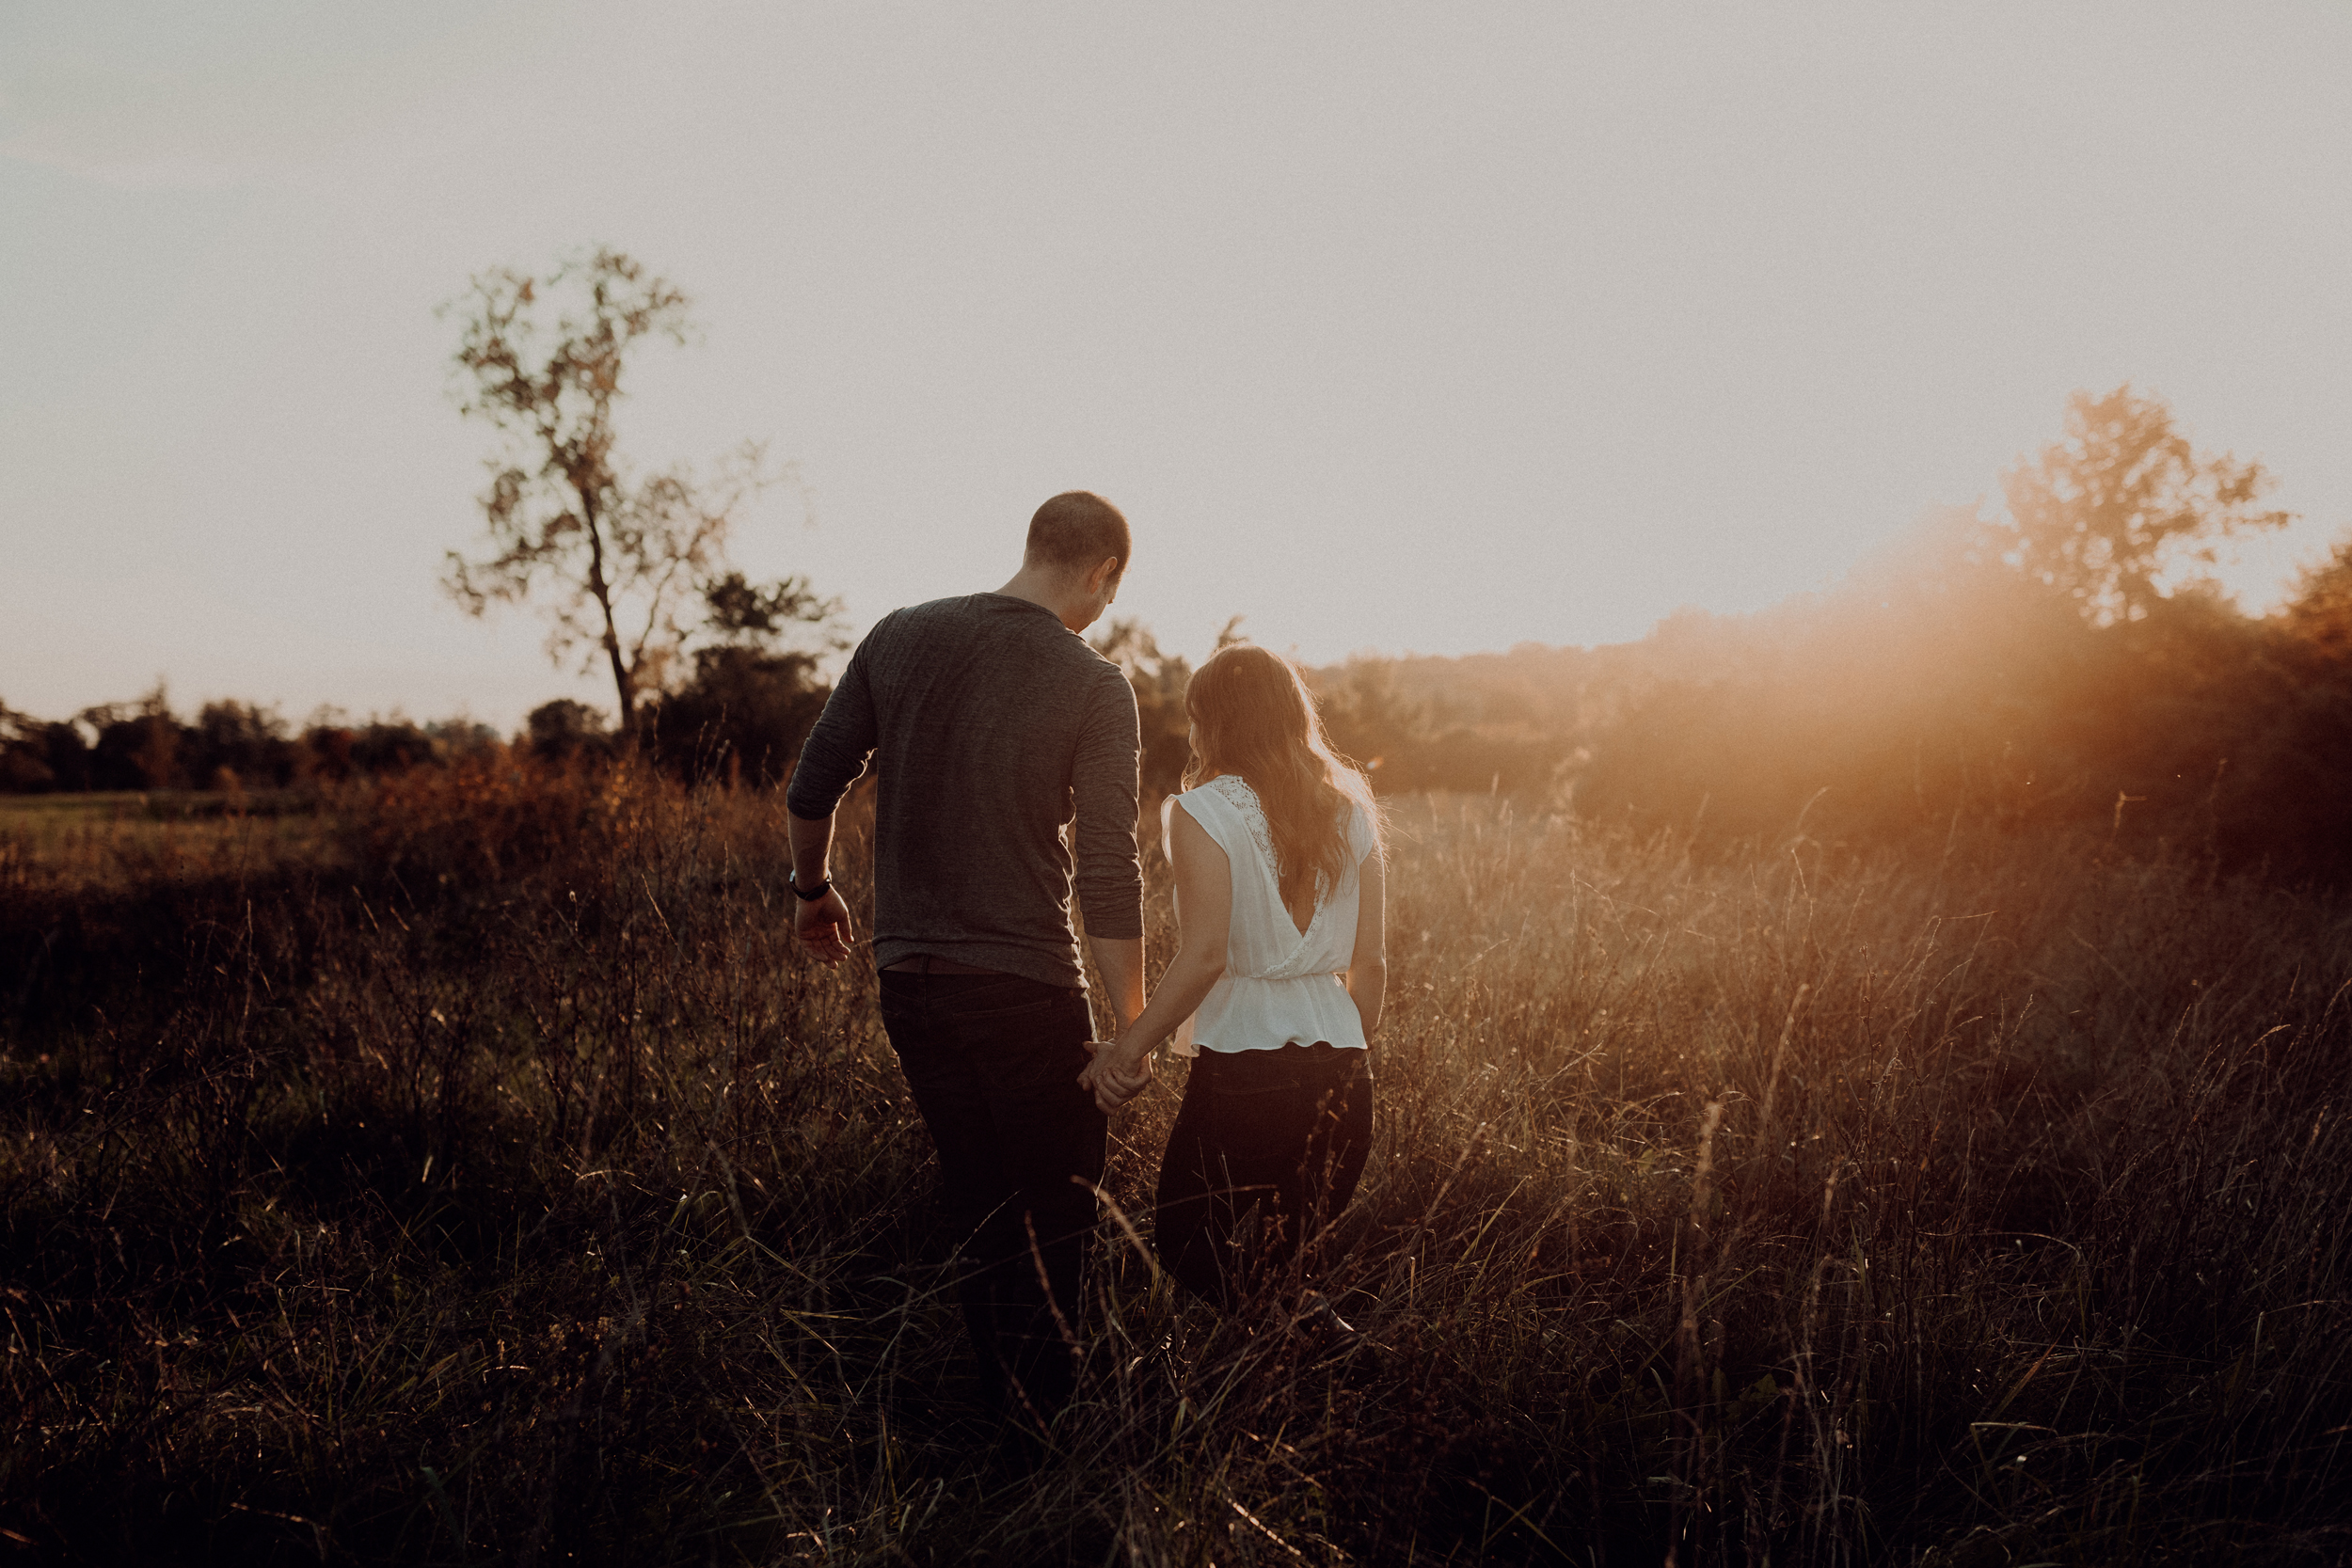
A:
{"points": [[487, 1177], [75, 843]]}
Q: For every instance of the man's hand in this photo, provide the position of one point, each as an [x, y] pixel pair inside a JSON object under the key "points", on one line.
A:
{"points": [[1116, 1074], [824, 926]]}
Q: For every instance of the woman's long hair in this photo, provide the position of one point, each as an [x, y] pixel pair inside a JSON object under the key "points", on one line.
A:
{"points": [[1252, 715]]}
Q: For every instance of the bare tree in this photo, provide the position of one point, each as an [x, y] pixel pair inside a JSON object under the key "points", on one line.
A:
{"points": [[541, 358]]}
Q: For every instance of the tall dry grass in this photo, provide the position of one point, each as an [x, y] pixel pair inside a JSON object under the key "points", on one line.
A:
{"points": [[505, 1186]]}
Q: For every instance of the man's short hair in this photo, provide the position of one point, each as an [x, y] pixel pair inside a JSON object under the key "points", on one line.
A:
{"points": [[1076, 532]]}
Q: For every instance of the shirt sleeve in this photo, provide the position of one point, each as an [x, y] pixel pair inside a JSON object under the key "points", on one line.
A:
{"points": [[1103, 786], [845, 734], [1361, 841]]}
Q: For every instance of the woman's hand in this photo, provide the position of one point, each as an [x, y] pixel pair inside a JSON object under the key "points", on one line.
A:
{"points": [[1117, 1074], [1123, 1068]]}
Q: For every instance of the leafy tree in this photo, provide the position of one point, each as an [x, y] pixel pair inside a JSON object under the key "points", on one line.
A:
{"points": [[25, 766], [750, 699], [233, 744], [136, 746], [744, 613], [2105, 515], [2320, 615], [542, 359], [562, 728], [327, 746], [396, 744], [2060, 670], [2284, 800]]}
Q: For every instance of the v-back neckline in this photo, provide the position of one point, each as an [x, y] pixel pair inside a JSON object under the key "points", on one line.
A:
{"points": [[1261, 834]]}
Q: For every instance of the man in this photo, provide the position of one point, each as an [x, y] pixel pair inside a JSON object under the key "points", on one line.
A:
{"points": [[991, 725]]}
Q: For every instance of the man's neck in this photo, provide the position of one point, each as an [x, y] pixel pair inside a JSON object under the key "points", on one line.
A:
{"points": [[1047, 590]]}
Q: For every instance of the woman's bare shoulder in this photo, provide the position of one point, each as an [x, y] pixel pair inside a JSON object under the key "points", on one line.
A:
{"points": [[1193, 830]]}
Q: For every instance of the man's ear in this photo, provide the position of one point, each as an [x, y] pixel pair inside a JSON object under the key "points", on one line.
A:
{"points": [[1104, 577]]}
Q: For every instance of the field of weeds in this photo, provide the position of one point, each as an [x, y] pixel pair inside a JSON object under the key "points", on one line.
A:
{"points": [[75, 845], [491, 1180]]}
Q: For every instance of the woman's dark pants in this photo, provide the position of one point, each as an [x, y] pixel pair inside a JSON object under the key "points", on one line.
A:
{"points": [[1284, 1132], [994, 1063]]}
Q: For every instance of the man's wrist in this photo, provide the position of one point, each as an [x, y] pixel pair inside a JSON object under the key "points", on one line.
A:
{"points": [[808, 895]]}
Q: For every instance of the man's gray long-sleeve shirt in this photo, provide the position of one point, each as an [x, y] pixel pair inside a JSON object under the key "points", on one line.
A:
{"points": [[991, 726]]}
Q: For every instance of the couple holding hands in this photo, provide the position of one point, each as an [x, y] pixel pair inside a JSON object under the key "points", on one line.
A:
{"points": [[1006, 752]]}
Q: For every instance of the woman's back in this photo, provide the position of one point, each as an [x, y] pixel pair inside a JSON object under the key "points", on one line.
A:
{"points": [[1281, 983]]}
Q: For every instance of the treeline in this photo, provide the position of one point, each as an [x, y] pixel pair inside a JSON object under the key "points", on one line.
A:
{"points": [[228, 746], [2069, 667], [2066, 666], [1939, 689], [1944, 689], [741, 717]]}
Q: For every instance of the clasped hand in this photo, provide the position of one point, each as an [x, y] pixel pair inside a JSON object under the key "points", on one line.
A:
{"points": [[1117, 1073]]}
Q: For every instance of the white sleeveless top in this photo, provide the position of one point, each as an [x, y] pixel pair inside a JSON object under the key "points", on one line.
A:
{"points": [[1279, 985]]}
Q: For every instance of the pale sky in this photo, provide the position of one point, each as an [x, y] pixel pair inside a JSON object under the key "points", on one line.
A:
{"points": [[1394, 328]]}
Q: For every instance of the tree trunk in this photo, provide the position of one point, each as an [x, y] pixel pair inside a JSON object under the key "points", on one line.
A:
{"points": [[602, 591]]}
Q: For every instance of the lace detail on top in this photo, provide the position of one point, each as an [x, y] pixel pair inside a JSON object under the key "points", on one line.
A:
{"points": [[1245, 799]]}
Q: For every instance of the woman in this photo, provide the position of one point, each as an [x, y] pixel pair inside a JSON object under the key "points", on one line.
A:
{"points": [[1275, 986]]}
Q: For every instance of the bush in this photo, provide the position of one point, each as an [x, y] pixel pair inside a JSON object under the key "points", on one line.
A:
{"points": [[742, 716]]}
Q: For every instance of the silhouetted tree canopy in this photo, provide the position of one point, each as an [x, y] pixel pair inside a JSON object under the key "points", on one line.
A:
{"points": [[751, 698], [563, 728], [230, 747]]}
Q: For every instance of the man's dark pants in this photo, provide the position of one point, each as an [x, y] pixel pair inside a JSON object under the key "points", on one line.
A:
{"points": [[994, 1063]]}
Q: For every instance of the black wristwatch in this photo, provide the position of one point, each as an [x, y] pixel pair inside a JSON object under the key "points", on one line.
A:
{"points": [[822, 888]]}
